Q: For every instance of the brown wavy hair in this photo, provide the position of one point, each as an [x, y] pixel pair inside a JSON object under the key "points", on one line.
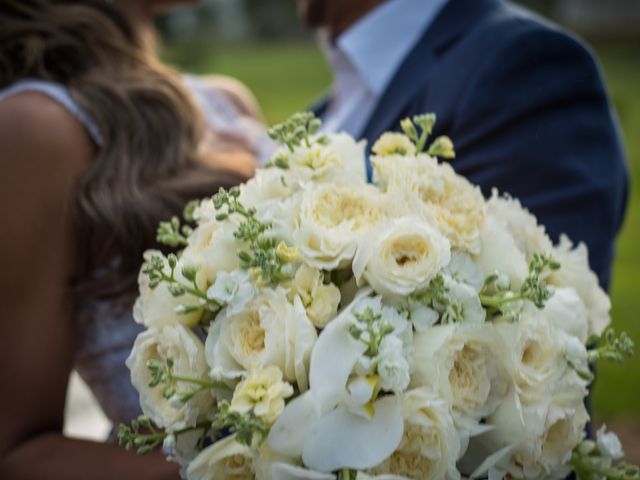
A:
{"points": [[149, 165]]}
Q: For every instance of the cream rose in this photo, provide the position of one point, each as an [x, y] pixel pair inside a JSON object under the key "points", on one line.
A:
{"points": [[225, 459], [437, 192], [468, 365], [269, 331], [156, 307], [430, 445], [332, 218], [575, 273], [186, 351], [263, 392], [539, 354], [533, 441], [401, 256], [319, 299]]}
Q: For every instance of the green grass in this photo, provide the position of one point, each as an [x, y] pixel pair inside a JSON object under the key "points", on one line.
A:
{"points": [[288, 77]]}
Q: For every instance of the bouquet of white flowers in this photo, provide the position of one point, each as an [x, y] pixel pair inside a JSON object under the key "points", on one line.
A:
{"points": [[316, 326]]}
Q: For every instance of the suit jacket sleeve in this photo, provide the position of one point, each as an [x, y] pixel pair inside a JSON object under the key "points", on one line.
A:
{"points": [[535, 122]]}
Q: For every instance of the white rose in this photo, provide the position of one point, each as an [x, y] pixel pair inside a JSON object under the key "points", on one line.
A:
{"points": [[469, 367], [269, 331], [531, 442], [225, 459], [401, 256], [430, 445], [156, 307], [575, 273], [233, 289], [187, 353], [530, 237], [538, 361], [609, 444], [320, 300], [331, 219], [434, 190]]}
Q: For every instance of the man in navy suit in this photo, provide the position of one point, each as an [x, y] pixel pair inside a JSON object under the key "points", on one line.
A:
{"points": [[522, 100]]}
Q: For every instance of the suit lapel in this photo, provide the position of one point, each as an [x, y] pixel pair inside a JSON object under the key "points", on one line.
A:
{"points": [[447, 28]]}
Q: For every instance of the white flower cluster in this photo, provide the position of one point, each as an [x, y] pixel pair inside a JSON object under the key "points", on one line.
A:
{"points": [[407, 328]]}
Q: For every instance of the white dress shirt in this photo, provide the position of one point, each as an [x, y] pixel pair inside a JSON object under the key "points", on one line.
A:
{"points": [[365, 58]]}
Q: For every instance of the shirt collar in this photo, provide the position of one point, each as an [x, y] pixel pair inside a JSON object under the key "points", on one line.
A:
{"points": [[378, 43]]}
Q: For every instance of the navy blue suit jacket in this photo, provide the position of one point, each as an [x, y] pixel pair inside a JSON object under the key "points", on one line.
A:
{"points": [[525, 106]]}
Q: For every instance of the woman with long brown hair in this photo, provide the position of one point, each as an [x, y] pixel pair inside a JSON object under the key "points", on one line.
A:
{"points": [[98, 143]]}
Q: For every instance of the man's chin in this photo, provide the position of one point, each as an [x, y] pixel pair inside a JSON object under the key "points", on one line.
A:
{"points": [[312, 13]]}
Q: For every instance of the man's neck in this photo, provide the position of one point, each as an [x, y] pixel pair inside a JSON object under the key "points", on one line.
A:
{"points": [[345, 14]]}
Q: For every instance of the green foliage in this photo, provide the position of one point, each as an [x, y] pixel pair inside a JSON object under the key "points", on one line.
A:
{"points": [[262, 258], [248, 429], [436, 296], [296, 131], [611, 348], [370, 329], [590, 464], [498, 298]]}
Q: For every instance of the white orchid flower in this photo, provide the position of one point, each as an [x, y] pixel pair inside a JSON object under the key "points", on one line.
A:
{"points": [[320, 426]]}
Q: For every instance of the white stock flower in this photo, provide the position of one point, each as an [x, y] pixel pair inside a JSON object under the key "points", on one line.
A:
{"points": [[401, 256], [332, 218], [187, 353], [233, 289], [393, 366], [262, 391], [156, 307], [321, 301], [529, 237], [466, 302], [434, 190], [430, 445], [463, 269], [269, 331], [468, 365], [608, 444], [566, 312], [575, 273]]}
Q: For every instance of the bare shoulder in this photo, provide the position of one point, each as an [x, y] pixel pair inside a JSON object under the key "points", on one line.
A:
{"points": [[38, 133], [43, 153], [236, 91]]}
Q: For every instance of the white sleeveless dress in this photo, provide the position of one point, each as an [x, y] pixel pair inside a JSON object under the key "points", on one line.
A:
{"points": [[105, 334]]}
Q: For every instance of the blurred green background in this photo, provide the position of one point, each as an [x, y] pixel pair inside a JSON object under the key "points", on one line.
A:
{"points": [[260, 43]]}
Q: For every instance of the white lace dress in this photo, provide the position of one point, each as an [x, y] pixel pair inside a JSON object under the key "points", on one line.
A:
{"points": [[105, 335]]}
